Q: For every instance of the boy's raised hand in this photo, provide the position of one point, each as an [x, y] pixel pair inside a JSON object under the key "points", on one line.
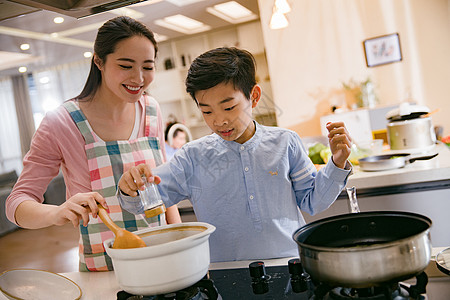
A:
{"points": [[340, 143], [131, 180]]}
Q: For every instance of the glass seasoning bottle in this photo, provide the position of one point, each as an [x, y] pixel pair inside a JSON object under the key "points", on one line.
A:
{"points": [[151, 199]]}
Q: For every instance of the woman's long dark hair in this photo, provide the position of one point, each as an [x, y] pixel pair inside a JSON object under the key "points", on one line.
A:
{"points": [[108, 36]]}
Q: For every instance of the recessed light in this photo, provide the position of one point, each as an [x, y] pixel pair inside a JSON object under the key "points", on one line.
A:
{"points": [[25, 46], [44, 80], [278, 21], [58, 20], [232, 12], [54, 34], [160, 37], [183, 2], [22, 69], [182, 24], [282, 6], [183, 21], [125, 11], [87, 54]]}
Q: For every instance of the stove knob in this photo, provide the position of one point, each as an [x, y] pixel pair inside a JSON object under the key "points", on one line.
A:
{"points": [[257, 269], [260, 284], [295, 267], [299, 279]]}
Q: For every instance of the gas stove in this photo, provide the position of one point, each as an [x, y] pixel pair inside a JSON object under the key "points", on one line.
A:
{"points": [[282, 282]]}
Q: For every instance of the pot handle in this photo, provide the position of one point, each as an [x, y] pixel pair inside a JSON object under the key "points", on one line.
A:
{"points": [[423, 157], [352, 201]]}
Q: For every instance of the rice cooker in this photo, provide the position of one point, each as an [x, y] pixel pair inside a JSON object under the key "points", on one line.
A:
{"points": [[410, 129]]}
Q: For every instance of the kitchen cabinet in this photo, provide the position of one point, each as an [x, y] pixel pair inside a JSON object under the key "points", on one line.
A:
{"points": [[173, 61], [362, 123]]}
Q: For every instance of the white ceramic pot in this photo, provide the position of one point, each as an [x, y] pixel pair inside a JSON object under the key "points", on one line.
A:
{"points": [[176, 256]]}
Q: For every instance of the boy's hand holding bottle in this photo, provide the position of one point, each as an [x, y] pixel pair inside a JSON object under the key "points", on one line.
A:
{"points": [[132, 180], [340, 143]]}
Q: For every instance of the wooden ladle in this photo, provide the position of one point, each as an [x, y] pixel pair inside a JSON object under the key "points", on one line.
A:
{"points": [[124, 238]]}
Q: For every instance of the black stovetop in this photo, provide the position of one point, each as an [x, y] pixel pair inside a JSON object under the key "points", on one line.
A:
{"points": [[237, 284], [278, 283]]}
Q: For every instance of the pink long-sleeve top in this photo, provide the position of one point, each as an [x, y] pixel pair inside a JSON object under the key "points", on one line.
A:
{"points": [[56, 144]]}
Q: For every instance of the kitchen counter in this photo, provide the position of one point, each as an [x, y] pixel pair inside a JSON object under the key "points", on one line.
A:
{"points": [[433, 170], [103, 285]]}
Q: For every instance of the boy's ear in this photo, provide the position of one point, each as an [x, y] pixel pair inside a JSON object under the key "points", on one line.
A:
{"points": [[255, 95]]}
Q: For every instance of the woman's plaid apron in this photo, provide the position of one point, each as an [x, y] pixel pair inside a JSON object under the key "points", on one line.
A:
{"points": [[107, 162]]}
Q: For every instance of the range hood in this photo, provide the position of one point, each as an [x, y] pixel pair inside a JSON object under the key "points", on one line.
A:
{"points": [[73, 8]]}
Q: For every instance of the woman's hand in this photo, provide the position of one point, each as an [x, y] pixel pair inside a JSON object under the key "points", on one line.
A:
{"points": [[340, 143], [78, 208], [131, 180]]}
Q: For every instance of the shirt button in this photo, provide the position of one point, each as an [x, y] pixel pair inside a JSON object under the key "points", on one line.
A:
{"points": [[246, 169], [242, 147], [251, 197]]}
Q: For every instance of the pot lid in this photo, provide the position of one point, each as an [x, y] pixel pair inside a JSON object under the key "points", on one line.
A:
{"points": [[443, 261], [407, 111]]}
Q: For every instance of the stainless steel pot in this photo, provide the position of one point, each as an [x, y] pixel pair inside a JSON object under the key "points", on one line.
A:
{"points": [[415, 133], [360, 250]]}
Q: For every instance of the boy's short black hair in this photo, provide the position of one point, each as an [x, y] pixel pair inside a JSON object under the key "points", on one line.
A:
{"points": [[222, 65]]}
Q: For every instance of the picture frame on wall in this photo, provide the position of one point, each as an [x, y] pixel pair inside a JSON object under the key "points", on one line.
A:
{"points": [[382, 50]]}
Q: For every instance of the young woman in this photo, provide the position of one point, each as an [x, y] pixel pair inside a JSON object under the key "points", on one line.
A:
{"points": [[94, 138]]}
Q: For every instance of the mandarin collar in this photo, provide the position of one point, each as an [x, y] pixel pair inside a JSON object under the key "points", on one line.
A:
{"points": [[251, 143]]}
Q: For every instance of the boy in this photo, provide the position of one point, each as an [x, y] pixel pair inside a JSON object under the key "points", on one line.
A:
{"points": [[246, 179]]}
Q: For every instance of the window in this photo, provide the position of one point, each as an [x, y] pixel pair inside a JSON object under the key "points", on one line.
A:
{"points": [[10, 151]]}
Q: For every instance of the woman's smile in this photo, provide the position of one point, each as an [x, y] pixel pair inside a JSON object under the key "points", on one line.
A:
{"points": [[132, 89]]}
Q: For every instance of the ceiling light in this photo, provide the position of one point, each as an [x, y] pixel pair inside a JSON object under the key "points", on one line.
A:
{"points": [[44, 80], [232, 12], [22, 69], [87, 54], [125, 11], [183, 2], [183, 21], [182, 24], [25, 46], [160, 37], [282, 6], [58, 20], [278, 20]]}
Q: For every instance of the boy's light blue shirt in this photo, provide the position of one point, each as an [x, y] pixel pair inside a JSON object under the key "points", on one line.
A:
{"points": [[251, 192]]}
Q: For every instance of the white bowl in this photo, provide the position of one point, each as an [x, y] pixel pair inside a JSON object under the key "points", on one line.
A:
{"points": [[37, 285], [176, 256]]}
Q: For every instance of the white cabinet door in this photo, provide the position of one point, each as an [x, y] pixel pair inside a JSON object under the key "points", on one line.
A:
{"points": [[356, 121], [167, 86]]}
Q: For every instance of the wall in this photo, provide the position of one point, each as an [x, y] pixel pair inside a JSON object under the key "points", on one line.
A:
{"points": [[322, 47]]}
